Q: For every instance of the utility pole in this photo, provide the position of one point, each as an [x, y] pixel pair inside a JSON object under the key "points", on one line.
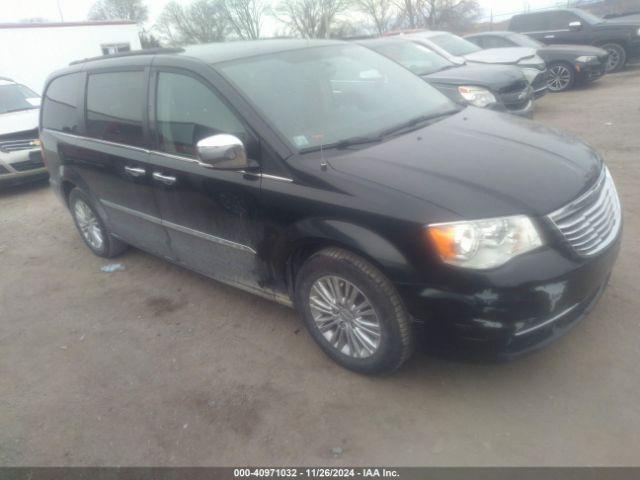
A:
{"points": [[60, 11]]}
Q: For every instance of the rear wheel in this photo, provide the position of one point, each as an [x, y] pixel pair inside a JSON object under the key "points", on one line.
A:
{"points": [[353, 312], [617, 57], [561, 77], [91, 227]]}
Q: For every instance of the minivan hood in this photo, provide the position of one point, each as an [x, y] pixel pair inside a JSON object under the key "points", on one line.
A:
{"points": [[495, 77], [20, 121], [509, 55], [479, 163]]}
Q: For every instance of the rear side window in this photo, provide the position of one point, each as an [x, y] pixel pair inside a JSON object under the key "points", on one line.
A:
{"points": [[561, 20], [115, 105], [187, 112], [533, 22], [60, 104]]}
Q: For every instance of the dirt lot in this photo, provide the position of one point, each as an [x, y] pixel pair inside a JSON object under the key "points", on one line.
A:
{"points": [[156, 365]]}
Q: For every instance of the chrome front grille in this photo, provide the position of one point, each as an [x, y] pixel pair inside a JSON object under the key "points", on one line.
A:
{"points": [[16, 145], [592, 221]]}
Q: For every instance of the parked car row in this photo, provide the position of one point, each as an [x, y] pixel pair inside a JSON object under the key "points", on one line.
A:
{"points": [[328, 177], [20, 159]]}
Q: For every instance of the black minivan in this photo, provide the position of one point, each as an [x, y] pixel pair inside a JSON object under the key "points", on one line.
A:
{"points": [[323, 175]]}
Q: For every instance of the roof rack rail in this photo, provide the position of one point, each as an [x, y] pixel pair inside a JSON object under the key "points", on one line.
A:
{"points": [[133, 53]]}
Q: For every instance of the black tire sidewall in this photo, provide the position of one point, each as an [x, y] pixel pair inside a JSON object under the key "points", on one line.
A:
{"points": [[622, 55], [387, 356], [75, 195]]}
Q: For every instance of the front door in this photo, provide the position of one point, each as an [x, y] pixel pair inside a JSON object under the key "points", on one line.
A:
{"points": [[113, 160], [212, 216]]}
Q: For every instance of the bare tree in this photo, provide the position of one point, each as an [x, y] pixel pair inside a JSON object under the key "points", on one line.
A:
{"points": [[453, 15], [119, 10], [310, 18], [380, 12], [202, 21], [245, 17]]}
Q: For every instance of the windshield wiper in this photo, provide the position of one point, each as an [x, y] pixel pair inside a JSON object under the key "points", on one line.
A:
{"points": [[415, 123], [350, 142]]}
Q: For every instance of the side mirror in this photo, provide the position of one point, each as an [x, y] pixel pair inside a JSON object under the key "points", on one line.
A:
{"points": [[575, 26], [222, 151]]}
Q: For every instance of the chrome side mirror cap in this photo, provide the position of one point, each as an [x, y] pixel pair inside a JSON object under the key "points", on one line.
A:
{"points": [[575, 25], [222, 151]]}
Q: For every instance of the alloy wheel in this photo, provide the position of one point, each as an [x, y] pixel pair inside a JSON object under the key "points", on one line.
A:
{"points": [[559, 78], [88, 225], [613, 60], [345, 316]]}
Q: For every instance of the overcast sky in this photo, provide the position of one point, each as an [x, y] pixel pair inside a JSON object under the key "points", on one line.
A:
{"points": [[76, 10]]}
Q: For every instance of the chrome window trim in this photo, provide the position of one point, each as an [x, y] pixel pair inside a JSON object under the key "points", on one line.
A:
{"points": [[164, 154], [179, 228]]}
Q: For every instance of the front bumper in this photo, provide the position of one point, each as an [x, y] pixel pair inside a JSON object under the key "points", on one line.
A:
{"points": [[590, 71], [523, 110], [22, 166], [537, 79], [514, 309]]}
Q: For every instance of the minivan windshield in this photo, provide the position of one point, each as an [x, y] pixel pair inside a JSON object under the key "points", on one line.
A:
{"points": [[417, 58], [322, 96], [454, 45], [15, 97]]}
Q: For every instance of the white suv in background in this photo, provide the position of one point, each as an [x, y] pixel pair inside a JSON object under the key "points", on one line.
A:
{"points": [[20, 156]]}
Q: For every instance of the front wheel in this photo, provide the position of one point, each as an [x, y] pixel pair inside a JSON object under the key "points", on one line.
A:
{"points": [[353, 312], [561, 77], [617, 57]]}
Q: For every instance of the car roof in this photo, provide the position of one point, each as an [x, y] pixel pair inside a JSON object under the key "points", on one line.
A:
{"points": [[222, 52], [499, 33], [374, 42], [6, 81], [209, 53]]}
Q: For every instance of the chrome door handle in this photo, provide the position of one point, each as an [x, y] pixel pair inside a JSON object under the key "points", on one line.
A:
{"points": [[135, 171], [166, 179], [549, 36]]}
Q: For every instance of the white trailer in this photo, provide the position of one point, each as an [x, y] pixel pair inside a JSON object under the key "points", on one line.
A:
{"points": [[29, 52]]}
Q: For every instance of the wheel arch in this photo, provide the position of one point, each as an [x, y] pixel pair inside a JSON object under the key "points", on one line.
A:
{"points": [[309, 236]]}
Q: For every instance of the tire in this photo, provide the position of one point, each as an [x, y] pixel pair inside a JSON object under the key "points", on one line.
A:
{"points": [[618, 53], [561, 77], [91, 226], [345, 271]]}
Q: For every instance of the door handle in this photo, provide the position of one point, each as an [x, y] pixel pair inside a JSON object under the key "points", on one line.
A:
{"points": [[135, 171], [166, 179], [549, 36]]}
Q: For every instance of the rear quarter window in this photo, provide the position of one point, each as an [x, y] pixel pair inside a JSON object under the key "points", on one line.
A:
{"points": [[115, 105], [532, 22], [60, 103]]}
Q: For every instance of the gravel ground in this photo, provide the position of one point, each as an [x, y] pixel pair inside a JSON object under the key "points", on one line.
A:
{"points": [[155, 365]]}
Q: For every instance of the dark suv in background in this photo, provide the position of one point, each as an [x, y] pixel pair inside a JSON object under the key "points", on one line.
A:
{"points": [[575, 26], [323, 175]]}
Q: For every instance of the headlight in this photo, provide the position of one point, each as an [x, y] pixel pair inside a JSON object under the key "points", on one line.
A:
{"points": [[477, 96], [481, 244], [586, 58]]}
